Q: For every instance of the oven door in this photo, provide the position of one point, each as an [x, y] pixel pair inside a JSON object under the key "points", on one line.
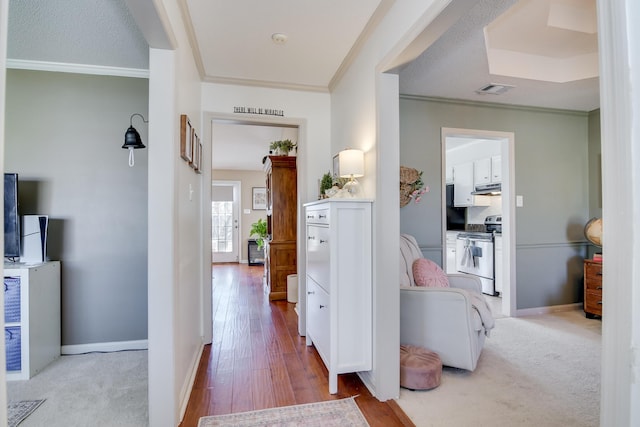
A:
{"points": [[474, 256]]}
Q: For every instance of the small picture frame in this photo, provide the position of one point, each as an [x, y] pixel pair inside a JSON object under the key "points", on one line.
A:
{"points": [[186, 135], [259, 198], [194, 143], [336, 166], [198, 156]]}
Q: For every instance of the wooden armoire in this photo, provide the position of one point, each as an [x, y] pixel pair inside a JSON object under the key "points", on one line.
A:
{"points": [[280, 251]]}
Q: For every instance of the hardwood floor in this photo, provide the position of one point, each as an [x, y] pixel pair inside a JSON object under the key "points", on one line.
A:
{"points": [[257, 360]]}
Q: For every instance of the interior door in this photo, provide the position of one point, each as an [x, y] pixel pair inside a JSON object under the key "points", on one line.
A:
{"points": [[225, 208]]}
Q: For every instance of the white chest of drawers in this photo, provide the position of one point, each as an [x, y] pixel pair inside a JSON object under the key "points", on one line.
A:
{"points": [[339, 286]]}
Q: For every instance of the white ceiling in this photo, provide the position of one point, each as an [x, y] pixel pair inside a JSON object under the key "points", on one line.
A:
{"points": [[232, 43]]}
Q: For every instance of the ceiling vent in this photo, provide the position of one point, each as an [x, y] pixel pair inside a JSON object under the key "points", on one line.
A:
{"points": [[494, 89]]}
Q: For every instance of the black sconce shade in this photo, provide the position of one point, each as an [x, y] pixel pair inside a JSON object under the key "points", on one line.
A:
{"points": [[132, 139]]}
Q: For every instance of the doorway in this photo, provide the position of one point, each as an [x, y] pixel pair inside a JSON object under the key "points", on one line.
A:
{"points": [[225, 221], [466, 152]]}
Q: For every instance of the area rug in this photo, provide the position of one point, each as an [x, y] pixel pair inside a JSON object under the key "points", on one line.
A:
{"points": [[18, 411], [338, 413]]}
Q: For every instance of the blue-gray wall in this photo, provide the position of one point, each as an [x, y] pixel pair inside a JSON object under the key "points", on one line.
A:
{"points": [[553, 172], [64, 134]]}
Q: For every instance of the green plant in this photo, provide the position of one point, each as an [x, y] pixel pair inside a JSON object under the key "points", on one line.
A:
{"points": [[326, 182], [283, 146], [259, 228]]}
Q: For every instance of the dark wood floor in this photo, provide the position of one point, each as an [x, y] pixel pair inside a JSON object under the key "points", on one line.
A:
{"points": [[257, 360]]}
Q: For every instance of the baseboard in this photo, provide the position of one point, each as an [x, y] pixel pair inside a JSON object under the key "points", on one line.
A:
{"points": [[104, 347], [536, 311], [186, 391], [367, 380]]}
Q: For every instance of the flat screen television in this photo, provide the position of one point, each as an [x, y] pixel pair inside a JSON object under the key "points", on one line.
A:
{"points": [[11, 218]]}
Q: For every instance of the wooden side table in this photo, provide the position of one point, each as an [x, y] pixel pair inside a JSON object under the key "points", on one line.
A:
{"points": [[592, 288]]}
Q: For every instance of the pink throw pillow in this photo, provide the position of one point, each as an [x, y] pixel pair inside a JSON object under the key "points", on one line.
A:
{"points": [[429, 274]]}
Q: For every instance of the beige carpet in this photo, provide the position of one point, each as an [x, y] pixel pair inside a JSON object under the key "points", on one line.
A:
{"points": [[534, 371], [332, 413], [96, 389]]}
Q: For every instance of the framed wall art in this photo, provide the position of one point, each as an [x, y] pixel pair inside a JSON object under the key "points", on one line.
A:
{"points": [[259, 198], [336, 166], [186, 138]]}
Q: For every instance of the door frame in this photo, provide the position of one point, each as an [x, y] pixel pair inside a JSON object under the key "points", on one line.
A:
{"points": [[508, 206]]}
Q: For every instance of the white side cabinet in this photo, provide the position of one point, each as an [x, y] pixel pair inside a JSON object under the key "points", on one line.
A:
{"points": [[339, 286], [32, 317]]}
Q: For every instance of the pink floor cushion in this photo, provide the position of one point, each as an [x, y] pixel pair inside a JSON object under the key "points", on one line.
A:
{"points": [[420, 369]]}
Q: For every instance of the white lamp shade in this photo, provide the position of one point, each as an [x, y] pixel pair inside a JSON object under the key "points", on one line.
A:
{"points": [[351, 163]]}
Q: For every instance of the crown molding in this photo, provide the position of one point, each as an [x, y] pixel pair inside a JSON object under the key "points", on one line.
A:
{"points": [[266, 84], [101, 70]]}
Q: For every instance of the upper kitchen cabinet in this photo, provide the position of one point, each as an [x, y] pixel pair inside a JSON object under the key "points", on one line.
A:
{"points": [[449, 174], [482, 171], [496, 169], [464, 185], [487, 170]]}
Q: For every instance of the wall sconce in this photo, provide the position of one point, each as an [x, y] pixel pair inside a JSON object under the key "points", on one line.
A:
{"points": [[351, 163], [132, 139]]}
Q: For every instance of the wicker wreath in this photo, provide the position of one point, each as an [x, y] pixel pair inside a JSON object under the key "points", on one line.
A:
{"points": [[410, 181]]}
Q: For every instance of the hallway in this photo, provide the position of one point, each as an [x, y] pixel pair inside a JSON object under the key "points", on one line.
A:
{"points": [[257, 359]]}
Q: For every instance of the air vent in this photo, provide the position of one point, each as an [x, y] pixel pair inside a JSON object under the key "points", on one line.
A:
{"points": [[494, 89]]}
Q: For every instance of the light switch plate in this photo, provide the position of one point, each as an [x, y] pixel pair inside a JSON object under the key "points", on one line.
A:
{"points": [[519, 201], [246, 211]]}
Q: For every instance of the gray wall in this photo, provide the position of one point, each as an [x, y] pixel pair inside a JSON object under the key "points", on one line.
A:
{"points": [[64, 134], [552, 173]]}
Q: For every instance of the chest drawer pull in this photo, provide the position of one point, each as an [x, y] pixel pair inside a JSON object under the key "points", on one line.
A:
{"points": [[598, 288], [311, 293], [311, 237], [322, 306], [599, 302], [323, 241]]}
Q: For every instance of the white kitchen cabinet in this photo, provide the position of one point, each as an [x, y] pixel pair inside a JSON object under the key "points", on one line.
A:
{"points": [[450, 248], [339, 285], [464, 185], [449, 176], [496, 169], [487, 171], [482, 171], [497, 259], [32, 317]]}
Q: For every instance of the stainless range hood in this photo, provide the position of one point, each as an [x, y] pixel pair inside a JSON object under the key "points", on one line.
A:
{"points": [[488, 190]]}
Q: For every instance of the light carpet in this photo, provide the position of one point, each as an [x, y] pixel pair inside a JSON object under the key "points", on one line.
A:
{"points": [[18, 411], [338, 413], [534, 371], [95, 389]]}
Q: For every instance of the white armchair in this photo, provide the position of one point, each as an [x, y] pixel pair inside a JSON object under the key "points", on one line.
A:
{"points": [[452, 322]]}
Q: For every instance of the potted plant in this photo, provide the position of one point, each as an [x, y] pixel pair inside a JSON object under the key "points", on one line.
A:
{"points": [[282, 147], [259, 229], [325, 183]]}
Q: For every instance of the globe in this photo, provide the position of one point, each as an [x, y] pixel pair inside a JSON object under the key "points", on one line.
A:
{"points": [[593, 231]]}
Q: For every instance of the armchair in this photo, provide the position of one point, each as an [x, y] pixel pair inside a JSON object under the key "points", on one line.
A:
{"points": [[452, 322]]}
